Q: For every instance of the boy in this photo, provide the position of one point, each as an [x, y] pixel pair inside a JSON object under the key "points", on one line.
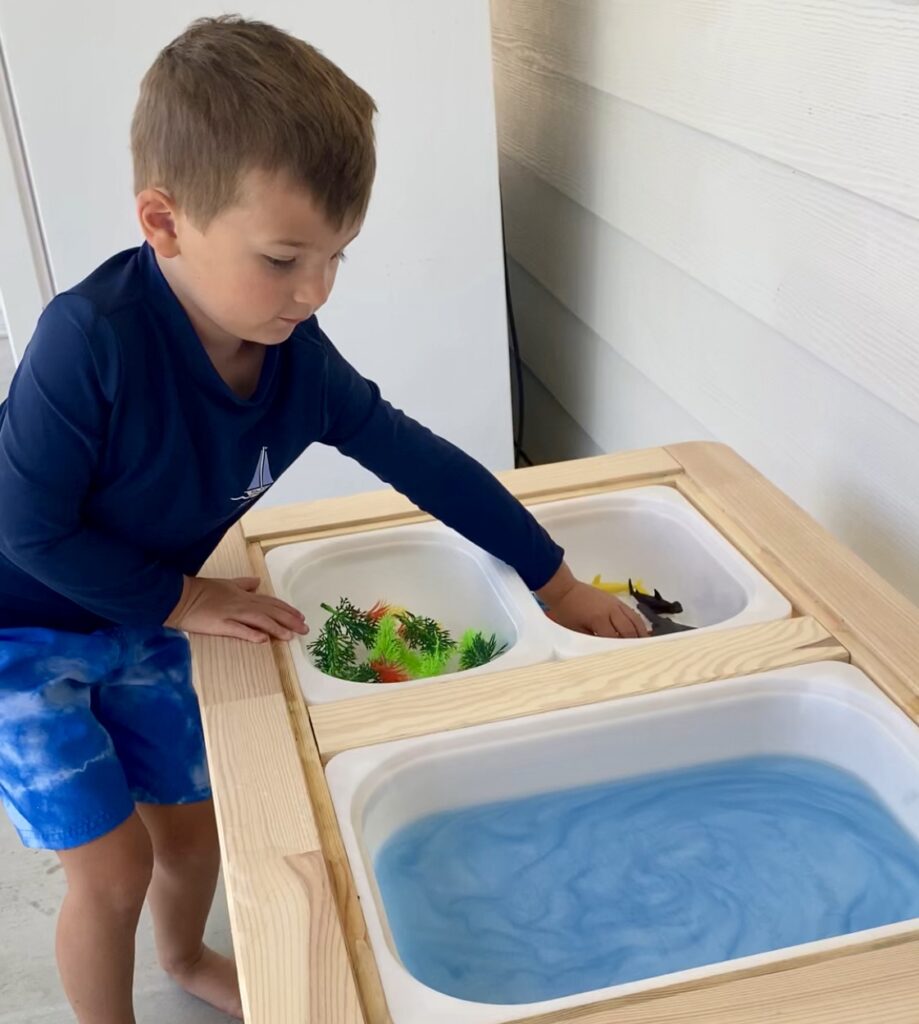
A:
{"points": [[127, 446]]}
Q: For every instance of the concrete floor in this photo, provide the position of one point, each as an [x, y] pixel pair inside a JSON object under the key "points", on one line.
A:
{"points": [[31, 889]]}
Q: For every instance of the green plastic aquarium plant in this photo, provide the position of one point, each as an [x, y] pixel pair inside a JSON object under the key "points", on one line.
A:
{"points": [[399, 645]]}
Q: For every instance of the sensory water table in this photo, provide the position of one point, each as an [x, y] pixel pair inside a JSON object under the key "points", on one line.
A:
{"points": [[800, 649]]}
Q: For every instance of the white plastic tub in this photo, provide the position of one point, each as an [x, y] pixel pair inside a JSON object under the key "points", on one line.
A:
{"points": [[425, 568], [655, 535], [829, 712], [652, 534]]}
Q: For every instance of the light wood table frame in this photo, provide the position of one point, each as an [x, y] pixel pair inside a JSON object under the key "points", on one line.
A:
{"points": [[298, 929]]}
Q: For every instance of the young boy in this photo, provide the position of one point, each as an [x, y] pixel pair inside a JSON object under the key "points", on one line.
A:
{"points": [[127, 448]]}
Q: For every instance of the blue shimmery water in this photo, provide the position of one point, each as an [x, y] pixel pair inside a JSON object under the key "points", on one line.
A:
{"points": [[566, 892]]}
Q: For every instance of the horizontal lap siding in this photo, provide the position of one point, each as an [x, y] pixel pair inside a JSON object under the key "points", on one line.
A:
{"points": [[709, 215]]}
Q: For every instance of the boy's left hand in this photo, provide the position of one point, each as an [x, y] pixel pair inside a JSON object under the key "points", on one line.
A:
{"points": [[585, 609]]}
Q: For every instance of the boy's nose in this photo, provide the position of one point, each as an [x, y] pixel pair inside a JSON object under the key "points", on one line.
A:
{"points": [[312, 293]]}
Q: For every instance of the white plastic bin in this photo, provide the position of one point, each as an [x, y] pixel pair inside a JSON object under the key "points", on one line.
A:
{"points": [[425, 568], [829, 712], [655, 535]]}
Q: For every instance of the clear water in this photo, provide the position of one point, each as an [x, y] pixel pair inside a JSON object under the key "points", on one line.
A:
{"points": [[571, 891]]}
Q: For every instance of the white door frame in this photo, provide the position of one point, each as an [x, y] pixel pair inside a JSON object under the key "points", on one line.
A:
{"points": [[26, 282]]}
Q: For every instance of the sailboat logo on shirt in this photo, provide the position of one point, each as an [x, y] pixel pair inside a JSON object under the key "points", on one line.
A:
{"points": [[261, 479]]}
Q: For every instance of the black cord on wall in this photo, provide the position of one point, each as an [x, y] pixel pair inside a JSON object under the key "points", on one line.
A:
{"points": [[520, 456]]}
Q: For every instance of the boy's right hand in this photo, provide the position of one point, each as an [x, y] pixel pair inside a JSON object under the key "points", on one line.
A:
{"points": [[233, 608]]}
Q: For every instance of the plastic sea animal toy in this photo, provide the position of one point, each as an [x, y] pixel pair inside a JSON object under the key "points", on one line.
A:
{"points": [[614, 586], [661, 626], [653, 601]]}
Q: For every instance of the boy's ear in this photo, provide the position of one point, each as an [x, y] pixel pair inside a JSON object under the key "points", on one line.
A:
{"points": [[157, 215]]}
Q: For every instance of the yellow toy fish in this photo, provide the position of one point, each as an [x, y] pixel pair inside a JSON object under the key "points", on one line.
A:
{"points": [[615, 587]]}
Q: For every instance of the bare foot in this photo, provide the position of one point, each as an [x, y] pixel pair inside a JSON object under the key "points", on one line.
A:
{"points": [[212, 978]]}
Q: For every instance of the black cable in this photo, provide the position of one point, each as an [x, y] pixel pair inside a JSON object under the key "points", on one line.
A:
{"points": [[519, 454]]}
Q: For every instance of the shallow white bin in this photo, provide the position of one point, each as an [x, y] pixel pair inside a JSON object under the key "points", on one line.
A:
{"points": [[829, 712], [654, 534], [426, 568]]}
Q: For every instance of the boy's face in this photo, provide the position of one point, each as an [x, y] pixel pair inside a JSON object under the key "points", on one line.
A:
{"points": [[258, 269]]}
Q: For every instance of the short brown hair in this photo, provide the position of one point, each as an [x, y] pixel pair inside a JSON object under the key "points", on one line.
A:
{"points": [[230, 95]]}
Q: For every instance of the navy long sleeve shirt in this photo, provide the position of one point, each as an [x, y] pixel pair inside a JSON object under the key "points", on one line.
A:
{"points": [[124, 456]]}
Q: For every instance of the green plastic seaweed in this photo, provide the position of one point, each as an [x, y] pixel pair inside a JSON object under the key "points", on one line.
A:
{"points": [[424, 634], [475, 650], [416, 644]]}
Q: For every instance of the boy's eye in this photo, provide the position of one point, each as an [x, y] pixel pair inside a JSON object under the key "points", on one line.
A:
{"points": [[281, 264]]}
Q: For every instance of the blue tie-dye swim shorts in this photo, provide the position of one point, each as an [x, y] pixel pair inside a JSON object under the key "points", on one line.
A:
{"points": [[91, 724]]}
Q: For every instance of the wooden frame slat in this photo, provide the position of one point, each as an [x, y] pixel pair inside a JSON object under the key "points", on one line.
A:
{"points": [[873, 985], [818, 574], [290, 951], [389, 508], [535, 689], [352, 919]]}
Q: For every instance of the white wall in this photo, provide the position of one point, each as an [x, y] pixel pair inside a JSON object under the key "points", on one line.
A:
{"points": [[6, 366], [713, 205], [420, 305], [25, 279]]}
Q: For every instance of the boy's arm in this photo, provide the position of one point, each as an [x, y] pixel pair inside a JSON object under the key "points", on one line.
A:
{"points": [[50, 438], [437, 476], [450, 485]]}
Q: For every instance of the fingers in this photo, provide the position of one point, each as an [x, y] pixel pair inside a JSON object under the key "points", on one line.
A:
{"points": [[294, 621], [625, 627], [629, 623], [242, 632], [585, 630], [640, 623], [258, 628], [278, 603], [621, 622], [287, 614], [282, 612], [265, 623], [608, 628]]}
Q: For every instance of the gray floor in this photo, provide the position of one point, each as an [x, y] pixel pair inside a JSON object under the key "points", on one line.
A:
{"points": [[30, 893]]}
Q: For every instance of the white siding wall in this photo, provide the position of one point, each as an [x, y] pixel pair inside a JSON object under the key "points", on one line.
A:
{"points": [[711, 208]]}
